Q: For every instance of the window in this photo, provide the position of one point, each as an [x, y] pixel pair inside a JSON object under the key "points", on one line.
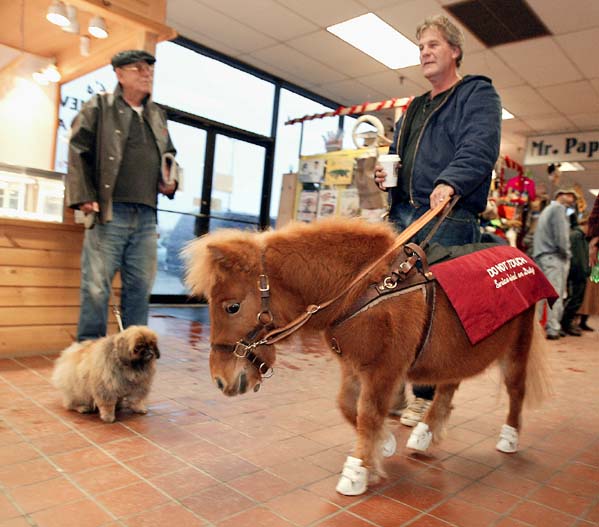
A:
{"points": [[289, 137], [194, 83]]}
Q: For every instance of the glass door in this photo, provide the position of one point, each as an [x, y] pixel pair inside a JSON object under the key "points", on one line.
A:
{"points": [[237, 180], [177, 218]]}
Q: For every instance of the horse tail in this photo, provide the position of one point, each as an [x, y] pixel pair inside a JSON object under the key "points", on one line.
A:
{"points": [[538, 379]]}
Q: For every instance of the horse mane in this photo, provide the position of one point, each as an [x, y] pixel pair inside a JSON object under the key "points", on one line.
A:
{"points": [[218, 254], [317, 252]]}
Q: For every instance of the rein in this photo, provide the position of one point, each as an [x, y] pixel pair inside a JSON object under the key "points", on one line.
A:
{"points": [[265, 334]]}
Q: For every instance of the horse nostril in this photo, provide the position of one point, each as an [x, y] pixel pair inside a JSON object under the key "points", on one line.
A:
{"points": [[220, 384]]}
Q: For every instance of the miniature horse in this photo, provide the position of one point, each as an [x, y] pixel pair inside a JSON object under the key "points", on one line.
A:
{"points": [[307, 264]]}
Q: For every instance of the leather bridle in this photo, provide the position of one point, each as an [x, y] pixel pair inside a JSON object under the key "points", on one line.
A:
{"points": [[265, 333]]}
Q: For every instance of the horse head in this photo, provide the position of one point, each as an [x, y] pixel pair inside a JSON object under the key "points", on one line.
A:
{"points": [[224, 268]]}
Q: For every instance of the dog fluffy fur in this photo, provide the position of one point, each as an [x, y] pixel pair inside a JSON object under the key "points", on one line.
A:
{"points": [[114, 371]]}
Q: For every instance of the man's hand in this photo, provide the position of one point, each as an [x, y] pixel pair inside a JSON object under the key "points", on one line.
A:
{"points": [[89, 206], [167, 189], [439, 193], [593, 249]]}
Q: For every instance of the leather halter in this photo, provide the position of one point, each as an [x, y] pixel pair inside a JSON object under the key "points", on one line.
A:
{"points": [[265, 333]]}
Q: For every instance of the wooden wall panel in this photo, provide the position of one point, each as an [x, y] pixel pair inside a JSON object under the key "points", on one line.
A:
{"points": [[39, 286]]}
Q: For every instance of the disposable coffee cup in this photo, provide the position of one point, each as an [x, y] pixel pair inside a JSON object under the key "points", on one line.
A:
{"points": [[390, 163]]}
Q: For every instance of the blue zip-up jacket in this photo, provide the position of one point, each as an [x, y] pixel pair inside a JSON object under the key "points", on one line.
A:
{"points": [[458, 144]]}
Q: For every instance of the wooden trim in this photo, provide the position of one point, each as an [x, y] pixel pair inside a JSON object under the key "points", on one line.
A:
{"points": [[120, 14]]}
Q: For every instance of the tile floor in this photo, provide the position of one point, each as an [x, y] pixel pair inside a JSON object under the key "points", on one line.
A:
{"points": [[272, 458]]}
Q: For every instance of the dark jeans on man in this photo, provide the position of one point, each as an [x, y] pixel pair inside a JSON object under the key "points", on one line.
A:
{"points": [[459, 228], [576, 288]]}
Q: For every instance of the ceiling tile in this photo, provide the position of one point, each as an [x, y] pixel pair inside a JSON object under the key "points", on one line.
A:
{"points": [[276, 71], [595, 83], [291, 60], [573, 97], [561, 16], [354, 92], [7, 55], [489, 64], [327, 48], [585, 121], [550, 123], [540, 61], [523, 101], [514, 126], [407, 16], [266, 16], [577, 46], [377, 4], [199, 19], [326, 13], [390, 84]]}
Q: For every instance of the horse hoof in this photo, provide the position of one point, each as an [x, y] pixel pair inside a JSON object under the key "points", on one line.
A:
{"points": [[508, 440], [420, 438], [389, 446], [354, 478]]}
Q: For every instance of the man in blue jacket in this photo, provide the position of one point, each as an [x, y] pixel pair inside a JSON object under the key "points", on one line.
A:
{"points": [[448, 142]]}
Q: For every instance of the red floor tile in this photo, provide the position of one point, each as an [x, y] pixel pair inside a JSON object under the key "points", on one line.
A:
{"points": [[301, 507], [163, 516], [217, 502], [51, 493], [257, 516], [130, 500], [183, 482], [537, 514], [273, 458], [384, 511], [83, 513], [464, 514]]}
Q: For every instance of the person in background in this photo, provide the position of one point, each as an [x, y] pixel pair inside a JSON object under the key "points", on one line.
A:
{"points": [[114, 176], [577, 276], [593, 233], [551, 250], [448, 142]]}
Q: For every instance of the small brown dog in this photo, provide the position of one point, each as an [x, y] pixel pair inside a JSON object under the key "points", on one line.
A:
{"points": [[114, 371]]}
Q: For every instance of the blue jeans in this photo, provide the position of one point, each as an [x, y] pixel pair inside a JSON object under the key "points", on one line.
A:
{"points": [[459, 228], [128, 244]]}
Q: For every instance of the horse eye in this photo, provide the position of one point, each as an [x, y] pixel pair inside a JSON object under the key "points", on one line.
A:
{"points": [[232, 308]]}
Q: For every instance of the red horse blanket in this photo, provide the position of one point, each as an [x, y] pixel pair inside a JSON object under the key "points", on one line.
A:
{"points": [[490, 287]]}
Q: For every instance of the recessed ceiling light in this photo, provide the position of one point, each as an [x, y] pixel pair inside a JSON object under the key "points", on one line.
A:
{"points": [[97, 27], [567, 166], [378, 39], [52, 73], [594, 191], [506, 115], [57, 14]]}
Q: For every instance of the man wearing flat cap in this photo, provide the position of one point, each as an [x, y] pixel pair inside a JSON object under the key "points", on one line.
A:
{"points": [[117, 152], [551, 250]]}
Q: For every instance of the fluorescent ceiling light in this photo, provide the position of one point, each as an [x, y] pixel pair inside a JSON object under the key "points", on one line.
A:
{"points": [[566, 166], [594, 191], [506, 115], [378, 39]]}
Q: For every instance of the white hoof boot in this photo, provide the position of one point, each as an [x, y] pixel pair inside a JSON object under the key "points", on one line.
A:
{"points": [[508, 440], [389, 446], [420, 438], [354, 478]]}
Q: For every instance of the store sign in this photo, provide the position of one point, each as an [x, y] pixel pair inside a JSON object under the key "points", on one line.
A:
{"points": [[575, 146]]}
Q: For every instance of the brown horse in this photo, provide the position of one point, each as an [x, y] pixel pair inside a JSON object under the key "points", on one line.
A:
{"points": [[275, 275]]}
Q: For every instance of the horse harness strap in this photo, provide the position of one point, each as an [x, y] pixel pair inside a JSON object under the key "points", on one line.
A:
{"points": [[244, 348], [405, 276]]}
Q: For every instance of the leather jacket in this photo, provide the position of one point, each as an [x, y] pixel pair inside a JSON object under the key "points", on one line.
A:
{"points": [[98, 138]]}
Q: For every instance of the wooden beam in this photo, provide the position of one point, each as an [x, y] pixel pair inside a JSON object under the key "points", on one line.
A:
{"points": [[107, 9]]}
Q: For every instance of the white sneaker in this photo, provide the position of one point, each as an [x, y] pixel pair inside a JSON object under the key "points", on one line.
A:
{"points": [[420, 438], [415, 411], [389, 446], [354, 478], [508, 440]]}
